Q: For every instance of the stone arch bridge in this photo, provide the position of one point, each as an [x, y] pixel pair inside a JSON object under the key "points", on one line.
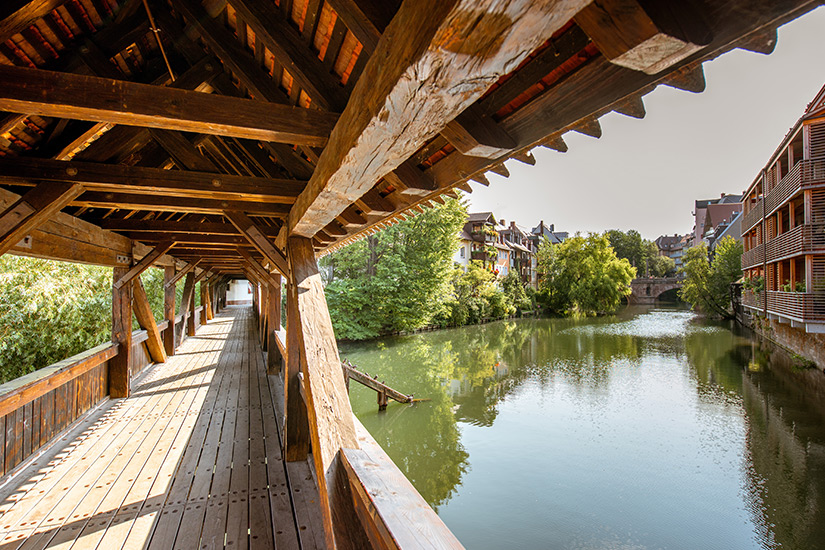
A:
{"points": [[647, 290]]}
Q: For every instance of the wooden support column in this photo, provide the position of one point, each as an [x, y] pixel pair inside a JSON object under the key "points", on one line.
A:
{"points": [[190, 319], [331, 426], [296, 426], [35, 207], [143, 314], [274, 360], [186, 300], [204, 302], [119, 385], [169, 310], [264, 311]]}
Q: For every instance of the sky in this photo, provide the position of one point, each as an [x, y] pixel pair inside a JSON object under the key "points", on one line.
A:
{"points": [[646, 174]]}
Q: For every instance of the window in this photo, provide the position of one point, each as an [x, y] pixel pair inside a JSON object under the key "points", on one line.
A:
{"points": [[461, 253]]}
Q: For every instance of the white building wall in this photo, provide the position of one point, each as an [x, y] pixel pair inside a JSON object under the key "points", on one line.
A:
{"points": [[462, 254], [239, 293]]}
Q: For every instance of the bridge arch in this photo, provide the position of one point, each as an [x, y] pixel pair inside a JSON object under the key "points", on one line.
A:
{"points": [[647, 290]]}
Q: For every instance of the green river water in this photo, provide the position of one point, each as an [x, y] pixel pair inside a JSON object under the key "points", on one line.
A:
{"points": [[650, 429]]}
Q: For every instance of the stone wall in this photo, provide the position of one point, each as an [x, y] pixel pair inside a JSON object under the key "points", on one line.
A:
{"points": [[796, 340]]}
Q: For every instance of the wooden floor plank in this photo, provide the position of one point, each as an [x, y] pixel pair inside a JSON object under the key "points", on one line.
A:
{"points": [[191, 460]]}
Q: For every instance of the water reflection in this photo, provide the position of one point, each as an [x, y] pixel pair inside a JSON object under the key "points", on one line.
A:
{"points": [[641, 426]]}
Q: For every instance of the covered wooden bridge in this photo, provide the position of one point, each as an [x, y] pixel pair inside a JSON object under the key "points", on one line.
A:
{"points": [[229, 139]]}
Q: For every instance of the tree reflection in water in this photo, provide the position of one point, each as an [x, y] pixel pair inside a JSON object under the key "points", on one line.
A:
{"points": [[469, 373]]}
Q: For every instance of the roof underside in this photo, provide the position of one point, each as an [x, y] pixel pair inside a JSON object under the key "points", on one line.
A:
{"points": [[182, 124]]}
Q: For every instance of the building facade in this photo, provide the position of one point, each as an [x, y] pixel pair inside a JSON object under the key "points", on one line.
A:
{"points": [[783, 231]]}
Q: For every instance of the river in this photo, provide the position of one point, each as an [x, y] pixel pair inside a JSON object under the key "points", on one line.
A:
{"points": [[648, 429]]}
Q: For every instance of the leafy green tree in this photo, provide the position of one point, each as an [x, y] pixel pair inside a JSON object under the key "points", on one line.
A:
{"points": [[395, 279], [49, 311], [640, 252], [662, 266], [474, 296], [583, 275], [707, 282], [514, 290]]}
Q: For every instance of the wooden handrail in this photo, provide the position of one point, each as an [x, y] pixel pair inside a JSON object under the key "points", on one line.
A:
{"points": [[163, 325], [139, 336], [393, 513], [27, 388]]}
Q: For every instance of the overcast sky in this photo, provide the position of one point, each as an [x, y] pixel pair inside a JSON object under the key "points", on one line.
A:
{"points": [[645, 174]]}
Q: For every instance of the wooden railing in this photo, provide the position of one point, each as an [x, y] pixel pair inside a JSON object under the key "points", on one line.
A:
{"points": [[39, 406], [802, 306], [393, 513], [753, 257], [805, 174]]}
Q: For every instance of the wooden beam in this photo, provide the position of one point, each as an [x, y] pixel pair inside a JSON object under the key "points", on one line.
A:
{"points": [[476, 134], [145, 263], [67, 238], [410, 180], [166, 226], [648, 39], [264, 275], [172, 281], [232, 54], [143, 314], [150, 181], [286, 45], [16, 15], [409, 89], [119, 375], [186, 303], [33, 209], [195, 205], [365, 19], [185, 155], [65, 95], [169, 309], [328, 408], [259, 240]]}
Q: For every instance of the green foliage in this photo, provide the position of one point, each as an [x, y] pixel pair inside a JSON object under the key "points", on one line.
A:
{"points": [[391, 280], [641, 253], [662, 266], [707, 283], [49, 311], [514, 290], [582, 275], [475, 296], [52, 310]]}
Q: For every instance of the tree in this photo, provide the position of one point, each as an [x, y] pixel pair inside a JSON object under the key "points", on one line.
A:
{"points": [[474, 296], [583, 275], [662, 266], [707, 282], [640, 252], [396, 279]]}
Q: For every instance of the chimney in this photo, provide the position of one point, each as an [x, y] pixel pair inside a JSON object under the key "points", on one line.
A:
{"points": [[552, 227], [723, 195], [504, 223]]}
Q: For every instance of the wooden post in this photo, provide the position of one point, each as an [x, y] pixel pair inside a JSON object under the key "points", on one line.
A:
{"points": [[296, 428], [204, 302], [188, 291], [121, 334], [331, 426], [264, 310], [210, 312], [143, 314], [169, 310], [274, 361], [190, 319]]}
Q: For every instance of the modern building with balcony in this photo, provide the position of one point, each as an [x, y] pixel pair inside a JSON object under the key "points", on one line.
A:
{"points": [[783, 232]]}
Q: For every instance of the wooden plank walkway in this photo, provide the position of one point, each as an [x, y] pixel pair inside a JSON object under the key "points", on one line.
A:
{"points": [[191, 460]]}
